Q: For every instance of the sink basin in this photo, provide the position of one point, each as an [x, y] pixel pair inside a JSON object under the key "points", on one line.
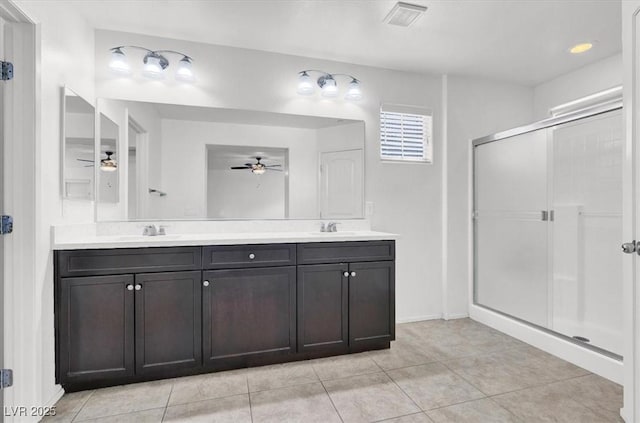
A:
{"points": [[145, 238], [332, 233]]}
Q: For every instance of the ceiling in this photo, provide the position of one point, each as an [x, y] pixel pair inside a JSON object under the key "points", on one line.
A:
{"points": [[523, 41]]}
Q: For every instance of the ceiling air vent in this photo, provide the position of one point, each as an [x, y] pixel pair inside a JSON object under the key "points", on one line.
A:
{"points": [[404, 14]]}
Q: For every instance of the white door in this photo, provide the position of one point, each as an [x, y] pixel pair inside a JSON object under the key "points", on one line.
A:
{"points": [[630, 218], [341, 184], [2, 179]]}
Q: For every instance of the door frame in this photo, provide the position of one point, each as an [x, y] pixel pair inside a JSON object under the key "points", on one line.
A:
{"points": [[21, 151], [631, 222]]}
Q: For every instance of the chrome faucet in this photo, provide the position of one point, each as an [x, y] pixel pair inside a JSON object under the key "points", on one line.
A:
{"points": [[331, 227], [153, 230]]}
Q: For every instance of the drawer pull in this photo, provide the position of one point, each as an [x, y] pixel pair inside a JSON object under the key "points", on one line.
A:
{"points": [[138, 287], [252, 256], [345, 274], [353, 274], [129, 287], [205, 283]]}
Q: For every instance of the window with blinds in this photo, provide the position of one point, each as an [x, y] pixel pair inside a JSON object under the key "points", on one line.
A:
{"points": [[405, 134]]}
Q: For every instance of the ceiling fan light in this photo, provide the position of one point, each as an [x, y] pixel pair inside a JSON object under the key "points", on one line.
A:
{"points": [[118, 63], [354, 93], [305, 84], [153, 67], [258, 170], [185, 70], [108, 164]]}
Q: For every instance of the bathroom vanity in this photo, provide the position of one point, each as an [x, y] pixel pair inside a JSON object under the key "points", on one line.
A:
{"points": [[127, 314]]}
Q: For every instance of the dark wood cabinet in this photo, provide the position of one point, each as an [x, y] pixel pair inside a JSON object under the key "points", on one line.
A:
{"points": [[248, 313], [168, 320], [323, 298], [371, 303], [96, 338], [136, 314]]}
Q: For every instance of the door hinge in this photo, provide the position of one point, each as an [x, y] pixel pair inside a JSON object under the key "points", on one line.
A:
{"points": [[6, 224], [6, 71], [6, 378]]}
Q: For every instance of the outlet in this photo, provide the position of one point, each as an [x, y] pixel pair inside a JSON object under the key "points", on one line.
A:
{"points": [[369, 208]]}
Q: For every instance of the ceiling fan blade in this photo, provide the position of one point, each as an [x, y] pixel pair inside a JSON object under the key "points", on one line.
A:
{"points": [[277, 170], [276, 165], [84, 160], [240, 167]]}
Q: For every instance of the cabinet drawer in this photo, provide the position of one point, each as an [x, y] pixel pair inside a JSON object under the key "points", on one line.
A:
{"points": [[128, 260], [343, 252], [237, 256]]}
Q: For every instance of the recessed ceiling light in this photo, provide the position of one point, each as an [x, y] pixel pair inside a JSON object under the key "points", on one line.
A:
{"points": [[580, 48], [404, 14]]}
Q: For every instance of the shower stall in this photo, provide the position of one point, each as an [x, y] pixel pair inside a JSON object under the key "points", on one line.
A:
{"points": [[547, 222]]}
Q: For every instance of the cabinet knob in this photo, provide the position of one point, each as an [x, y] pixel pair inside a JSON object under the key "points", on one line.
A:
{"points": [[345, 274], [138, 287], [205, 283], [353, 274], [129, 287], [252, 256]]}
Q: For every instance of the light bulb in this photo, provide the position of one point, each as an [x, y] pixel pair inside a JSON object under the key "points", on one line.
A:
{"points": [[118, 63], [185, 70], [305, 84], [354, 93], [329, 87], [153, 66]]}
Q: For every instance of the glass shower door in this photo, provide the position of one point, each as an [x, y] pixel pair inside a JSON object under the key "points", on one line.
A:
{"points": [[587, 226], [511, 227]]}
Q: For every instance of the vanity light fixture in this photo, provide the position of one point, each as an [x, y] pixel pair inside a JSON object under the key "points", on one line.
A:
{"points": [[328, 85], [154, 63]]}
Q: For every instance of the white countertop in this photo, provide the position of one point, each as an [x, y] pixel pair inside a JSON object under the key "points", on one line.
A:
{"points": [[191, 239]]}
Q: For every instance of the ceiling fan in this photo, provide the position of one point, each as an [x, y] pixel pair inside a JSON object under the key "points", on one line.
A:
{"points": [[107, 164], [258, 167]]}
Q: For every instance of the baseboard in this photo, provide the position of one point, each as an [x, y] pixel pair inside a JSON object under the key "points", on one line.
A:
{"points": [[454, 316], [418, 318], [55, 398], [590, 360]]}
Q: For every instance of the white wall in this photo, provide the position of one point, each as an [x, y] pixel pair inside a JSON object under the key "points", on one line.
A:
{"points": [[235, 78], [184, 155], [65, 58], [475, 108], [590, 79], [341, 137]]}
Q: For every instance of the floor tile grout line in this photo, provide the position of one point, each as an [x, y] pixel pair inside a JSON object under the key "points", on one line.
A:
{"points": [[504, 408], [249, 396], [75, 415], [166, 406], [404, 415], [118, 414], [332, 403], [403, 391]]}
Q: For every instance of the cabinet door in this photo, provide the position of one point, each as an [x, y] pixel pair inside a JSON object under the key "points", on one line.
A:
{"points": [[96, 328], [371, 303], [323, 307], [168, 321], [249, 313]]}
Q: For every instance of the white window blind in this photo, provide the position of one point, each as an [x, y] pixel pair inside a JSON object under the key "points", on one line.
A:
{"points": [[405, 134]]}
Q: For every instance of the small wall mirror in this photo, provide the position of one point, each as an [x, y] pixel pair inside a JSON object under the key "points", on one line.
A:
{"points": [[108, 190], [187, 162], [78, 147]]}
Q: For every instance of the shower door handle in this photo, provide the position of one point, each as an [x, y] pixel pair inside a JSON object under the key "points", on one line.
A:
{"points": [[630, 247]]}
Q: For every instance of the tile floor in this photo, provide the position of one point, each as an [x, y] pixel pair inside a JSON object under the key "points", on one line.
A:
{"points": [[437, 371]]}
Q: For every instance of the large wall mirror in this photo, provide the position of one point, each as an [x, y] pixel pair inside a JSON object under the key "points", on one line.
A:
{"points": [[78, 141], [186, 162]]}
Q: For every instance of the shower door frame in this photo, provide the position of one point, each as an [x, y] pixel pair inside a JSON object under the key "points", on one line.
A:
{"points": [[594, 359]]}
